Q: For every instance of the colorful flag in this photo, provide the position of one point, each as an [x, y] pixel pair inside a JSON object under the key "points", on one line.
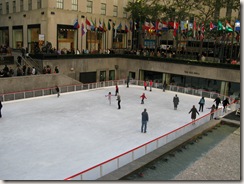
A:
{"points": [[119, 26], [126, 28], [146, 26], [237, 25], [104, 27], [131, 26], [100, 26], [76, 24], [176, 27], [220, 26], [83, 29], [211, 26], [88, 24], [202, 32], [109, 26], [165, 26], [228, 27]]}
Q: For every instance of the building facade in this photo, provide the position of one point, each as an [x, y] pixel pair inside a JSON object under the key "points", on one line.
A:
{"points": [[24, 23]]}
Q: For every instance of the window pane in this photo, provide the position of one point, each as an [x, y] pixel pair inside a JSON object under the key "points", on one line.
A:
{"points": [[103, 9], [89, 6], [60, 4], [74, 5]]}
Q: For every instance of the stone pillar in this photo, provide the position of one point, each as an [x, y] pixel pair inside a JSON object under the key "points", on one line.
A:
{"points": [[141, 75], [166, 77], [224, 90]]}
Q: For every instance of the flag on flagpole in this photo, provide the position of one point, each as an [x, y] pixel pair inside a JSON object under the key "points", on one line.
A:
{"points": [[176, 27], [146, 26], [126, 28], [237, 25], [83, 29], [88, 24], [100, 26], [76, 24], [109, 26], [202, 32], [228, 27], [104, 26], [211, 26], [220, 26]]}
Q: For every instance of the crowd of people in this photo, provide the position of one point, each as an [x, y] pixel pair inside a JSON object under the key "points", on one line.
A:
{"points": [[8, 71]]}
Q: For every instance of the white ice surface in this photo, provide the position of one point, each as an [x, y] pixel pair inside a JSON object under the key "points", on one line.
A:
{"points": [[50, 138]]}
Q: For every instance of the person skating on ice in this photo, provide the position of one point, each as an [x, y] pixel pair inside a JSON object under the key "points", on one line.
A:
{"points": [[145, 85], [109, 97], [201, 104], [119, 100], [225, 103], [217, 102], [150, 84], [194, 113], [1, 106], [116, 90], [176, 101], [143, 96], [144, 120], [57, 90]]}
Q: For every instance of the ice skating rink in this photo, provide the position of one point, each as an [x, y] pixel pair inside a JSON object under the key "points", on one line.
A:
{"points": [[50, 138]]}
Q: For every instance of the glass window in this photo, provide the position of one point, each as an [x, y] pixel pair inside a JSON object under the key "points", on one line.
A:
{"points": [[39, 4], [115, 11], [60, 4], [1, 8], [103, 9], [14, 6], [7, 7], [89, 6], [124, 14], [21, 5], [29, 4], [74, 5]]}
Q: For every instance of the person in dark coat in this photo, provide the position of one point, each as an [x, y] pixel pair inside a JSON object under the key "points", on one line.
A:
{"points": [[128, 81], [119, 100], [225, 103], [164, 86], [1, 106], [193, 112], [217, 101], [144, 120], [176, 101], [201, 104], [57, 90]]}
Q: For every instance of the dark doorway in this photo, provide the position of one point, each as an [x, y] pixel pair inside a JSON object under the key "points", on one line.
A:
{"points": [[88, 77]]}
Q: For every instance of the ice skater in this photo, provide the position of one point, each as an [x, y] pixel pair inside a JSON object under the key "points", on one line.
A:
{"points": [[57, 90], [145, 85], [213, 108], [164, 86], [119, 100], [109, 97], [225, 103], [1, 106], [144, 120], [176, 101], [143, 96], [128, 81], [116, 90], [194, 113], [201, 104], [150, 84], [217, 102]]}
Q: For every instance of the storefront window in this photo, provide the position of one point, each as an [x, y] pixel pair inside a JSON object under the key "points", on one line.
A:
{"points": [[4, 36], [17, 37], [67, 39]]}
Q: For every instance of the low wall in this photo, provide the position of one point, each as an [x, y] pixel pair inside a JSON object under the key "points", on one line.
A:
{"points": [[31, 82]]}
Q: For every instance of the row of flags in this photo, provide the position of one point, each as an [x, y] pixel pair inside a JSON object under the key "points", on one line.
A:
{"points": [[184, 27], [101, 26]]}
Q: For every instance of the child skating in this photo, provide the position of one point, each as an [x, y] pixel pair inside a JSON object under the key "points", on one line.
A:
{"points": [[143, 96]]}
